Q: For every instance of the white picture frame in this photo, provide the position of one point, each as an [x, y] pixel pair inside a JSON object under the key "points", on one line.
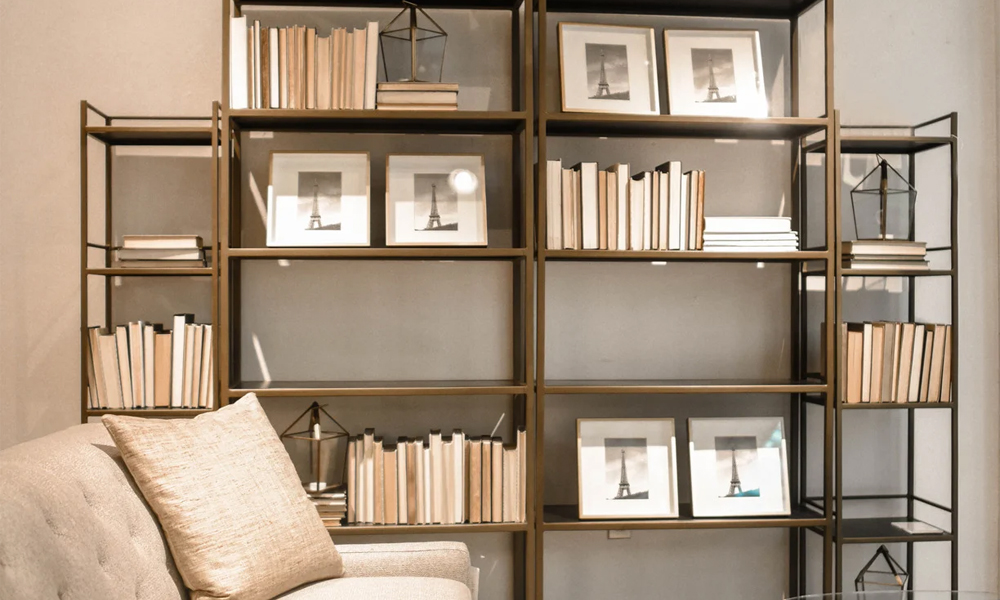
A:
{"points": [[730, 57], [606, 447], [608, 69], [337, 214], [757, 448], [454, 183]]}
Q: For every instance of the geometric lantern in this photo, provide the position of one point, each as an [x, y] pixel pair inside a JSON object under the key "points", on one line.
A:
{"points": [[413, 47], [321, 441], [894, 578], [883, 205]]}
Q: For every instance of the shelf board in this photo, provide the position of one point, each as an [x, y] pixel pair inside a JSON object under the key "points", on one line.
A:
{"points": [[436, 4], [881, 531], [761, 9], [565, 517], [308, 389], [704, 386], [149, 412], [675, 255], [878, 144], [152, 272], [896, 405], [896, 273], [380, 121], [117, 135], [379, 253], [612, 125], [368, 529]]}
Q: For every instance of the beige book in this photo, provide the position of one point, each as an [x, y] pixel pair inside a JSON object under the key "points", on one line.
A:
{"points": [[293, 67], [878, 351], [198, 332], [352, 481], [265, 68], [946, 367], [602, 210], [302, 82], [510, 492], [161, 376], [369, 476], [855, 343], [843, 362], [149, 364], [97, 388], [251, 69], [360, 61], [937, 364], [337, 69], [187, 365], [866, 364], [283, 67], [568, 211], [311, 68], [347, 94], [205, 384], [124, 366], [411, 483], [916, 367], [391, 516], [437, 476], [475, 481], [457, 458], [889, 346], [428, 483], [323, 73], [496, 502], [905, 362], [522, 476], [486, 466], [108, 344], [448, 487], [925, 368], [466, 480], [654, 211], [612, 210], [701, 212], [419, 485], [401, 508], [379, 483]]}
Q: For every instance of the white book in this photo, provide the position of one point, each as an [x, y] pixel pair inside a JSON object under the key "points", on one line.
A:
{"points": [[124, 366], [274, 76], [428, 483], [866, 363], [458, 476], [112, 373], [588, 204], [369, 478], [257, 72], [758, 249], [919, 338], [792, 244], [748, 224], [683, 212], [635, 205], [553, 205], [96, 386], [675, 178], [190, 363], [148, 364], [791, 236], [205, 380], [419, 483], [371, 64], [522, 471], [161, 242], [177, 360], [622, 179], [612, 191], [438, 477], [401, 505], [448, 472], [663, 210], [137, 369], [647, 211], [238, 89]]}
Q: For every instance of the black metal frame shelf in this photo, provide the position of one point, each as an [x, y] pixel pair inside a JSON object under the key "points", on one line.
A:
{"points": [[681, 256], [729, 9], [309, 389], [381, 121], [705, 386], [673, 126], [879, 530], [378, 253], [564, 517], [152, 272], [437, 4]]}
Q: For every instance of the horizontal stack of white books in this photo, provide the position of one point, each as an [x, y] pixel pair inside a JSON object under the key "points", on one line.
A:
{"points": [[899, 255], [750, 234], [159, 251], [416, 95]]}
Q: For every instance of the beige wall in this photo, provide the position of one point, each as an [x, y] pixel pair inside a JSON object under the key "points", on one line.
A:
{"points": [[897, 61]]}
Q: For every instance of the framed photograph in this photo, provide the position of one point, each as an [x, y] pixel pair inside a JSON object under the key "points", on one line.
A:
{"points": [[608, 68], [318, 199], [714, 73], [435, 200], [627, 468], [739, 467]]}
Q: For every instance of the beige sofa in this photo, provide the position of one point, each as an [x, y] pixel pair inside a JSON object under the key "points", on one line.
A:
{"points": [[73, 526]]}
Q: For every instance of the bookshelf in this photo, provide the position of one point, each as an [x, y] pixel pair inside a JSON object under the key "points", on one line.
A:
{"points": [[97, 244], [935, 141]]}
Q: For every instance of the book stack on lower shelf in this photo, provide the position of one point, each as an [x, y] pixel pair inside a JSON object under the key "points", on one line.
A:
{"points": [[139, 366], [898, 255], [161, 251], [331, 505], [592, 209], [416, 95], [437, 480], [750, 234], [897, 362]]}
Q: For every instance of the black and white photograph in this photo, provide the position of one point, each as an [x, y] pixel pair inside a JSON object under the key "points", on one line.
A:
{"points": [[319, 200], [435, 203], [739, 467], [626, 468], [435, 200], [607, 71], [736, 466], [714, 75]]}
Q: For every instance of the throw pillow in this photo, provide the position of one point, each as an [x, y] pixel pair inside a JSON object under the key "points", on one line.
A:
{"points": [[232, 508]]}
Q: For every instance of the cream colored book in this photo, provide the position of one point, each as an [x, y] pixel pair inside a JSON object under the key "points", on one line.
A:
{"points": [[283, 67], [428, 483], [411, 482], [360, 60], [457, 458], [371, 65], [391, 514], [417, 454], [205, 384], [108, 344], [437, 476], [510, 492], [401, 497], [937, 364], [522, 476], [347, 75], [311, 68], [369, 472], [189, 333], [323, 73], [177, 359], [337, 69], [137, 370], [602, 210], [475, 481], [946, 368], [486, 466], [124, 366], [149, 364], [878, 353], [352, 480], [466, 480], [379, 483], [866, 364], [902, 384], [653, 182], [197, 365], [925, 368], [161, 374], [97, 387], [496, 469], [916, 367], [447, 490]]}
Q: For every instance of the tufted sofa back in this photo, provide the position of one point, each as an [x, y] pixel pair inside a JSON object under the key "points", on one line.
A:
{"points": [[73, 526]]}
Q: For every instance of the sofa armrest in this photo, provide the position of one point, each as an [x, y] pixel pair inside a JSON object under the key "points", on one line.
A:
{"points": [[447, 560]]}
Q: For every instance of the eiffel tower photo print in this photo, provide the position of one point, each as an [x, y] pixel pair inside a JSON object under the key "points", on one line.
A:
{"points": [[319, 200], [714, 78], [435, 204], [607, 71], [736, 466], [626, 468]]}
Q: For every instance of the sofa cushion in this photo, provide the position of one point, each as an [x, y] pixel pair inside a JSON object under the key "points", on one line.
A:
{"points": [[381, 588], [232, 508]]}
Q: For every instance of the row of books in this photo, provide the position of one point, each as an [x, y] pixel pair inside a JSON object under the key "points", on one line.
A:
{"points": [[141, 366], [897, 362], [296, 68], [439, 479], [591, 209], [177, 251], [899, 255]]}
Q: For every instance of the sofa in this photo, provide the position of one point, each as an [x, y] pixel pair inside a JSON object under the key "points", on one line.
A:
{"points": [[74, 526]]}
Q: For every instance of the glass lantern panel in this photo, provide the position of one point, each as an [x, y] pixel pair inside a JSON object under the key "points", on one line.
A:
{"points": [[328, 453], [867, 206], [430, 56], [881, 581]]}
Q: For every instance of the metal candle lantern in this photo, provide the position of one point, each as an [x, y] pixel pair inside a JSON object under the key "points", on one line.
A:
{"points": [[413, 47], [870, 579], [322, 447], [883, 205]]}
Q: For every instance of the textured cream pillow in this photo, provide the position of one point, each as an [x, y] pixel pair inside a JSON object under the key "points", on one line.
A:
{"points": [[234, 513]]}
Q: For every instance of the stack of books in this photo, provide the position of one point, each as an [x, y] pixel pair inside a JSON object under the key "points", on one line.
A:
{"points": [[159, 251], [897, 362], [900, 255], [140, 366], [592, 209], [296, 68], [417, 95], [440, 479], [331, 505], [750, 234]]}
